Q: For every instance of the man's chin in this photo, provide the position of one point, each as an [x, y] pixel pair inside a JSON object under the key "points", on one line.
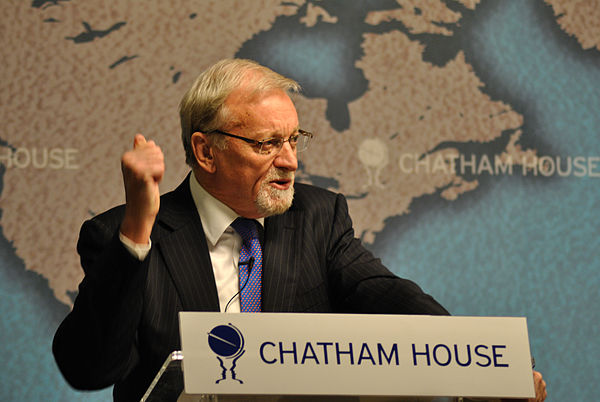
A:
{"points": [[271, 201]]}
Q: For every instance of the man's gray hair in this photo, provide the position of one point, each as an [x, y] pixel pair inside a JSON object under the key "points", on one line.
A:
{"points": [[203, 109]]}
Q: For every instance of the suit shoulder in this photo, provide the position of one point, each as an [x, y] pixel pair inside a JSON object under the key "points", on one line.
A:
{"points": [[111, 218], [318, 203], [306, 194]]}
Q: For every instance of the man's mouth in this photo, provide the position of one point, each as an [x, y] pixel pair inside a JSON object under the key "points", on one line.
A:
{"points": [[281, 184]]}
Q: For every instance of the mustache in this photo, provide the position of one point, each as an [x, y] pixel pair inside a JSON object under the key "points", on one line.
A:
{"points": [[279, 174]]}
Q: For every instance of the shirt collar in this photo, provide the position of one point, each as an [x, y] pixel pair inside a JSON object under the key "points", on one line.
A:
{"points": [[216, 217]]}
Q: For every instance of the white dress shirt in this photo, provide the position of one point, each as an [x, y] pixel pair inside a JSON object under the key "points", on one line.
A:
{"points": [[224, 245]]}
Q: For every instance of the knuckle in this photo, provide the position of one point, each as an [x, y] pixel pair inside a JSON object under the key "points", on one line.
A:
{"points": [[126, 158]]}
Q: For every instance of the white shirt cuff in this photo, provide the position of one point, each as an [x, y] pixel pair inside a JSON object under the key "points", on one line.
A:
{"points": [[139, 251]]}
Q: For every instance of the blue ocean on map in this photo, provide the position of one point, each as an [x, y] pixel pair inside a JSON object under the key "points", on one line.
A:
{"points": [[548, 224]]}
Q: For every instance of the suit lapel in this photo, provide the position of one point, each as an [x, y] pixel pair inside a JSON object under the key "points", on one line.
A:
{"points": [[280, 259], [180, 239]]}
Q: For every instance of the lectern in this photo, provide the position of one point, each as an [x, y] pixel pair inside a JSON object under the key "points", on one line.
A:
{"points": [[168, 387], [358, 358]]}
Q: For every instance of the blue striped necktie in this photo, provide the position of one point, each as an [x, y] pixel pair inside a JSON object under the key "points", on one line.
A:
{"points": [[250, 261]]}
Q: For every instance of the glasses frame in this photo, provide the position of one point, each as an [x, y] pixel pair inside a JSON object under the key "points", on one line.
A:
{"points": [[259, 144]]}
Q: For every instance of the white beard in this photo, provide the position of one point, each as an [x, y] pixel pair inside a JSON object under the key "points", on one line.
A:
{"points": [[272, 201]]}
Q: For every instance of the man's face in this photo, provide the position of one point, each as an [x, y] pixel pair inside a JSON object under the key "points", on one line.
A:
{"points": [[253, 184]]}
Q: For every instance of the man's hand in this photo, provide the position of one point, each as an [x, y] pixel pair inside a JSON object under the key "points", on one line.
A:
{"points": [[540, 387], [143, 168]]}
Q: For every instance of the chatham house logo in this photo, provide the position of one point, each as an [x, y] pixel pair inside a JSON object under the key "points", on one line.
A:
{"points": [[227, 342]]}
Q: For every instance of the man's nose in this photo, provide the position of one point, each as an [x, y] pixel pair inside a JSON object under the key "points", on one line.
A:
{"points": [[286, 158]]}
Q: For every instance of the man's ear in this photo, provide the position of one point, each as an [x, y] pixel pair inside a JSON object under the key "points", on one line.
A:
{"points": [[203, 152]]}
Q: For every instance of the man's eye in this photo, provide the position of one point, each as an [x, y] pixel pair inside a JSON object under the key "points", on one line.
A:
{"points": [[294, 138], [272, 143]]}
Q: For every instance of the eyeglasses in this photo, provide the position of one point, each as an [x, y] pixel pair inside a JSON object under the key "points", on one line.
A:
{"points": [[298, 141]]}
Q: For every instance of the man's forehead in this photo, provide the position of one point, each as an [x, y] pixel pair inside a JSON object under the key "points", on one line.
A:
{"points": [[241, 107], [245, 95]]}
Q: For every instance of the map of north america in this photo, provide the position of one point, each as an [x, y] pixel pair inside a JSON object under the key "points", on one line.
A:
{"points": [[378, 102]]}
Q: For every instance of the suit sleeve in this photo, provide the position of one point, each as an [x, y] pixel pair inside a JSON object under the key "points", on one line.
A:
{"points": [[94, 346], [360, 281]]}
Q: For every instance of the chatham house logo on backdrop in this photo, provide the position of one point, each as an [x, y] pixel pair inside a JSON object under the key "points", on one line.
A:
{"points": [[227, 342]]}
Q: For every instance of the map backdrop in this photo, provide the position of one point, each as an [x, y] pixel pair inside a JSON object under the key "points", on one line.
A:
{"points": [[464, 134]]}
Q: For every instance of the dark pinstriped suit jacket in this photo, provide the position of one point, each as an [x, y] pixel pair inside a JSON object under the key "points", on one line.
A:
{"points": [[124, 322]]}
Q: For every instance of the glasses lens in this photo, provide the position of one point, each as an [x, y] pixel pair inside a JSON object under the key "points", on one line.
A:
{"points": [[270, 146], [303, 141], [299, 142]]}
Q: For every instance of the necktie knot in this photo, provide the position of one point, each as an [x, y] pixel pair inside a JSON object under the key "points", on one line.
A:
{"points": [[246, 228]]}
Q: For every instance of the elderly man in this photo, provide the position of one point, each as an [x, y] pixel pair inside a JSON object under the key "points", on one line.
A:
{"points": [[237, 235]]}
